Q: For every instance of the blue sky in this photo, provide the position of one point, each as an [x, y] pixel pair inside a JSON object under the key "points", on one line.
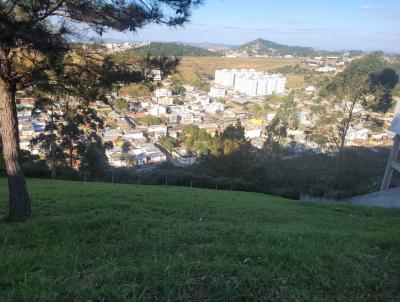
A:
{"points": [[325, 24]]}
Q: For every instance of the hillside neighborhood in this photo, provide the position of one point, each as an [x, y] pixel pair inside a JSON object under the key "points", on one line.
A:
{"points": [[246, 95], [194, 151]]}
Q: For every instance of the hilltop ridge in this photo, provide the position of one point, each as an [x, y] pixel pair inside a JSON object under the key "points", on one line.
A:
{"points": [[267, 47], [258, 47], [173, 49]]}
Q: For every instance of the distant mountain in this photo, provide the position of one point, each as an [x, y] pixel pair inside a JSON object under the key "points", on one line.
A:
{"points": [[265, 47], [174, 49]]}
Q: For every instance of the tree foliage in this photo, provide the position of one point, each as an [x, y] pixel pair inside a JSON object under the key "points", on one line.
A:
{"points": [[202, 85], [71, 136], [197, 140], [121, 105], [172, 49], [366, 84], [277, 130], [168, 142], [178, 89], [34, 51]]}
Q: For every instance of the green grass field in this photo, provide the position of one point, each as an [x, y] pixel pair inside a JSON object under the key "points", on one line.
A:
{"points": [[104, 242]]}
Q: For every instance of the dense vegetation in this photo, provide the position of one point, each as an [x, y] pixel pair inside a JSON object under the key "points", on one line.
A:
{"points": [[172, 49], [396, 66], [104, 242], [367, 83]]}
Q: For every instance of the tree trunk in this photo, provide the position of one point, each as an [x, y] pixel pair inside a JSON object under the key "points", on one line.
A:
{"points": [[71, 155], [347, 126], [53, 158], [19, 202]]}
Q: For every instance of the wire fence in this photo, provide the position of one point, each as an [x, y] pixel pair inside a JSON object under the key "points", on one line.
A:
{"points": [[153, 177]]}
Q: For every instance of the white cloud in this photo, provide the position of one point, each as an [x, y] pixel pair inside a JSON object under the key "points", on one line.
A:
{"points": [[371, 7], [366, 7]]}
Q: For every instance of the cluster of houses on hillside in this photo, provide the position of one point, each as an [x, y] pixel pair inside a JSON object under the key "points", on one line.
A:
{"points": [[113, 47], [30, 126], [131, 148], [135, 134], [328, 64]]}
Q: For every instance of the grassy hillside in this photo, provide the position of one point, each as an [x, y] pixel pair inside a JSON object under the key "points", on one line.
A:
{"points": [[104, 242]]}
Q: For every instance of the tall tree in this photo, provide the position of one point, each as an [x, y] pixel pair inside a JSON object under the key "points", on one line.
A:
{"points": [[366, 84], [286, 118], [234, 153], [93, 158], [48, 139], [32, 48]]}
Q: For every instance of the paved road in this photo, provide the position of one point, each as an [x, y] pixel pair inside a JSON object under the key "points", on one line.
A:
{"points": [[131, 121], [386, 199]]}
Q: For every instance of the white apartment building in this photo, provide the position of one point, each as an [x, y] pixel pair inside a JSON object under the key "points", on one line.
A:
{"points": [[251, 133], [162, 92], [203, 100], [133, 134], [165, 101], [158, 130], [156, 73], [216, 92], [250, 82], [215, 107], [225, 77], [246, 84], [326, 69], [157, 110]]}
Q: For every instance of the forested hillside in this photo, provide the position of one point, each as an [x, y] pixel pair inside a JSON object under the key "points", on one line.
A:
{"points": [[266, 47], [173, 49]]}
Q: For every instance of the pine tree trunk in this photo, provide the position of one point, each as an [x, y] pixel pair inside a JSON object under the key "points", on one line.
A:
{"points": [[19, 202], [53, 159]]}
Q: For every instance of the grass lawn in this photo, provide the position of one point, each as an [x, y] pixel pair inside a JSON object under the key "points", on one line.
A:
{"points": [[104, 242]]}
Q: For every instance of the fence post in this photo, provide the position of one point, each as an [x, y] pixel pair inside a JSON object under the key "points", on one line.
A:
{"points": [[191, 183], [166, 180], [138, 179]]}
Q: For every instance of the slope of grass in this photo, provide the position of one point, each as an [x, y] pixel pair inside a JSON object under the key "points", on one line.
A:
{"points": [[104, 242]]}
